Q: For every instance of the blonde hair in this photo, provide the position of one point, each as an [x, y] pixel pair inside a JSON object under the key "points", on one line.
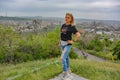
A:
{"points": [[72, 19]]}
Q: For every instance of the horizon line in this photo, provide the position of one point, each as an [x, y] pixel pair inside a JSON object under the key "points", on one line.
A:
{"points": [[61, 17]]}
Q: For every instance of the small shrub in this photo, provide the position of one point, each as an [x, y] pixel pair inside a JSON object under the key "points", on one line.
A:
{"points": [[117, 50], [73, 55]]}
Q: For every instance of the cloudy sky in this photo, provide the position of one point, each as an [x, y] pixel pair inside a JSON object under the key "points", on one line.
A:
{"points": [[89, 9]]}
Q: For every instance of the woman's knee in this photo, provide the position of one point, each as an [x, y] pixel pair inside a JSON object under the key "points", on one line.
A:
{"points": [[63, 60]]}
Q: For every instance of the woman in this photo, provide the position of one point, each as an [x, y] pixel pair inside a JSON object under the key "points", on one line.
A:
{"points": [[66, 42]]}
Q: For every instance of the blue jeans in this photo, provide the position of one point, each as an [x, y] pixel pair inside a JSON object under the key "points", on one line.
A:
{"points": [[65, 57]]}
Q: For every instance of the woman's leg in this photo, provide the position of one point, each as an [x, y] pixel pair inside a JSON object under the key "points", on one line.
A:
{"points": [[68, 62], [65, 59]]}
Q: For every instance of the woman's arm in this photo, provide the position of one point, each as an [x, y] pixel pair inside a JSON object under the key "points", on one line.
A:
{"points": [[77, 36]]}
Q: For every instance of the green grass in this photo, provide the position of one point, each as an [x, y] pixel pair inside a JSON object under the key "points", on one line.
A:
{"points": [[96, 70], [105, 55], [101, 54], [33, 70], [46, 69]]}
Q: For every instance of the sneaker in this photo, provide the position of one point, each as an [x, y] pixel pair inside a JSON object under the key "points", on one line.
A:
{"points": [[69, 71], [67, 76]]}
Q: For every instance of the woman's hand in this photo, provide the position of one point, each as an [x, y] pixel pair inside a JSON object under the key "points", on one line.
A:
{"points": [[70, 41]]}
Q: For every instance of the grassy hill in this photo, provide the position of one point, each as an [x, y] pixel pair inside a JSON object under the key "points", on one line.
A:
{"points": [[46, 69], [34, 57]]}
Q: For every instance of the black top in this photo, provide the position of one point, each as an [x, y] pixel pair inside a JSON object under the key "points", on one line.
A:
{"points": [[66, 32]]}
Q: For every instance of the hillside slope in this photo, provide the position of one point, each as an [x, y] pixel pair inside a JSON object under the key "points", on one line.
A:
{"points": [[47, 69]]}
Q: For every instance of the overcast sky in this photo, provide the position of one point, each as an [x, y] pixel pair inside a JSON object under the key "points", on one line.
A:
{"points": [[89, 9]]}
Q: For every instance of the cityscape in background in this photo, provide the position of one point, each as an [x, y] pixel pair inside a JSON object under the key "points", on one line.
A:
{"points": [[30, 24]]}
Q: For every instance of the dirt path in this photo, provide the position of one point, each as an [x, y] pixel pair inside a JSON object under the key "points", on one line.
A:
{"points": [[89, 56]]}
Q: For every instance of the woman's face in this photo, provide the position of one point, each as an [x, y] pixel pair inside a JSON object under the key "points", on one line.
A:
{"points": [[68, 18]]}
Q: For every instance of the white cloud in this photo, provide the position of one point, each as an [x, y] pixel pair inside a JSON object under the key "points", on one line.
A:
{"points": [[105, 4], [81, 8]]}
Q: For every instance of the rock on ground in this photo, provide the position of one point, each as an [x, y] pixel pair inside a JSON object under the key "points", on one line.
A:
{"points": [[72, 77]]}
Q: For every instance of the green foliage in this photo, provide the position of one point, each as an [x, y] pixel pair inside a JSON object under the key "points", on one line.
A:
{"points": [[96, 45], [41, 46], [73, 55], [79, 44], [1, 55], [23, 47], [22, 57], [8, 43], [117, 50], [107, 42], [99, 47]]}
